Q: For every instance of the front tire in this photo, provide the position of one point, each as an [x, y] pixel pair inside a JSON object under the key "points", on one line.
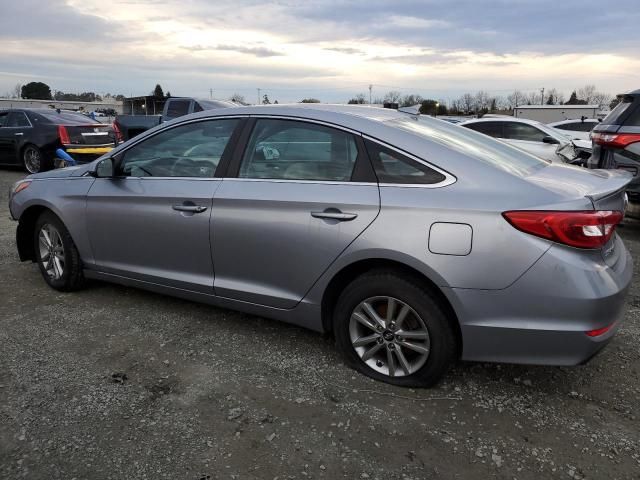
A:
{"points": [[56, 254], [390, 328]]}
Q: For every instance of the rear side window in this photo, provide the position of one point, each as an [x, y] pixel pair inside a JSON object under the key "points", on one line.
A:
{"points": [[522, 131], [577, 126], [493, 129], [616, 117], [293, 150], [3, 118], [393, 167], [177, 108], [17, 119]]}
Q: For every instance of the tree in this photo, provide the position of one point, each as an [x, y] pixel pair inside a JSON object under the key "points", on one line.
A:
{"points": [[442, 108], [429, 107], [467, 103], [36, 91], [587, 93], [411, 100], [265, 100], [16, 91], [168, 94], [482, 100], [359, 99], [237, 98], [515, 99], [574, 100], [392, 97], [614, 103], [157, 92], [309, 100]]}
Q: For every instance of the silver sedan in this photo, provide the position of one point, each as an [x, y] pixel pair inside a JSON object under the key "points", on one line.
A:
{"points": [[412, 241]]}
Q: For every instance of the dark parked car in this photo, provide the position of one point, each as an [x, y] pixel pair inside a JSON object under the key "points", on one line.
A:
{"points": [[30, 137], [616, 143]]}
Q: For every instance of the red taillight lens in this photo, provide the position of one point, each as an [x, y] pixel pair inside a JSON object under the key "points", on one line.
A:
{"points": [[118, 133], [616, 140], [599, 331], [64, 135], [582, 229]]}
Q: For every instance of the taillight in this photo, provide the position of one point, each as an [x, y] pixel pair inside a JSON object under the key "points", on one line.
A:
{"points": [[616, 140], [581, 229], [118, 133], [64, 135], [599, 331]]}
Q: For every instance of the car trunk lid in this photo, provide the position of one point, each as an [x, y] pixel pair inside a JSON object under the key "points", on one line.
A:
{"points": [[94, 134]]}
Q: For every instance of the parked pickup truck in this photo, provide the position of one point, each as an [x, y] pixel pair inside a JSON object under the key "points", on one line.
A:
{"points": [[129, 126]]}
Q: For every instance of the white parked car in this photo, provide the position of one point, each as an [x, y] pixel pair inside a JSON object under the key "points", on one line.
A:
{"points": [[577, 128], [533, 137]]}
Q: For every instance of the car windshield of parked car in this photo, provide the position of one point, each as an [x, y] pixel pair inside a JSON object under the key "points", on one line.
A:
{"points": [[67, 118], [472, 144], [191, 150]]}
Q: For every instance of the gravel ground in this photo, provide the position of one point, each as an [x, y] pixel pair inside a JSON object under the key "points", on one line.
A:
{"points": [[116, 383]]}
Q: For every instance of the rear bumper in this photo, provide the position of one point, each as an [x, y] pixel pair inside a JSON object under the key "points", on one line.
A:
{"points": [[542, 318]]}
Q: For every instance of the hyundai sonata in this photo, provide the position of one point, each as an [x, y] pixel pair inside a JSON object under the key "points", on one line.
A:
{"points": [[412, 241]]}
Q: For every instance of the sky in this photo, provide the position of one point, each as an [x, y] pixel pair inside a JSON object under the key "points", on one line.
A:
{"points": [[326, 49]]}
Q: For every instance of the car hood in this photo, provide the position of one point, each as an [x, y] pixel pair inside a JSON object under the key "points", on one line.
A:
{"points": [[75, 171], [573, 182]]}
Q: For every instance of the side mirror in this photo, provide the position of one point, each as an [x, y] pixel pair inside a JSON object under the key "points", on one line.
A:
{"points": [[550, 139], [105, 168]]}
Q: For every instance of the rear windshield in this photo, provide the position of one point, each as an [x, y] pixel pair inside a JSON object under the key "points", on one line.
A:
{"points": [[615, 117], [66, 118], [472, 144]]}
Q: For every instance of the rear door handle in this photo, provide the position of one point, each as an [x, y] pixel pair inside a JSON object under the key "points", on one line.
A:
{"points": [[189, 208], [334, 214], [18, 134]]}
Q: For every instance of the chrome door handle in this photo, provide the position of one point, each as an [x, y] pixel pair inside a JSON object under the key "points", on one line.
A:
{"points": [[18, 134], [334, 215], [189, 208]]}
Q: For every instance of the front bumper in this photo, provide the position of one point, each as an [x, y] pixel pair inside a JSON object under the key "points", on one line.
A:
{"points": [[542, 317]]}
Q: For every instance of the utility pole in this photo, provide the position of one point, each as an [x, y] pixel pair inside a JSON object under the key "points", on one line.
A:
{"points": [[370, 88], [259, 102], [542, 97], [211, 93]]}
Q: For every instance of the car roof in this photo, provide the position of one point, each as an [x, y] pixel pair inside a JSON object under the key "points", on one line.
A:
{"points": [[573, 120], [502, 119]]}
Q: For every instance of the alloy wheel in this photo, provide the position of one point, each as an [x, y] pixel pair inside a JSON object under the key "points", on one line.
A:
{"points": [[389, 336], [32, 160], [51, 251]]}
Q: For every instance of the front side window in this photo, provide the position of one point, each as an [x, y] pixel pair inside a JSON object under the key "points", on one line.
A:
{"points": [[3, 118], [393, 167], [17, 119], [522, 131], [293, 150], [191, 150]]}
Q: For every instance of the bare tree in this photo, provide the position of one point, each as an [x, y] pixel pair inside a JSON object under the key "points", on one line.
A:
{"points": [[393, 96], [554, 97], [17, 90], [411, 100], [587, 93], [515, 99], [236, 97], [359, 99], [601, 99], [467, 103], [482, 100]]}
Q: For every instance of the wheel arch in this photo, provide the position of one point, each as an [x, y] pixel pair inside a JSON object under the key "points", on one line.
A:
{"points": [[25, 230], [349, 272]]}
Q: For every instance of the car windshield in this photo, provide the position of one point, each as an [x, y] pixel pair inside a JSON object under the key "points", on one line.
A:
{"points": [[473, 144]]}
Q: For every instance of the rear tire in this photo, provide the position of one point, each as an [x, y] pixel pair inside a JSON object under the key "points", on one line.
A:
{"points": [[56, 254], [416, 341], [33, 160]]}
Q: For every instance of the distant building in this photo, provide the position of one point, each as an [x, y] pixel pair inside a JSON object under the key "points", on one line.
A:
{"points": [[555, 113]]}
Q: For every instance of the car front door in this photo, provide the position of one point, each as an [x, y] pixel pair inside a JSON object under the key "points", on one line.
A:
{"points": [[289, 205], [14, 126], [151, 220], [530, 139]]}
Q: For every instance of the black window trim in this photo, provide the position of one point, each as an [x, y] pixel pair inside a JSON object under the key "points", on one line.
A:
{"points": [[363, 173], [228, 151], [448, 177]]}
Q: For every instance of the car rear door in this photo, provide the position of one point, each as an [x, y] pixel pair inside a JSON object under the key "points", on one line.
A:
{"points": [[13, 131], [530, 139], [294, 197], [151, 221]]}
